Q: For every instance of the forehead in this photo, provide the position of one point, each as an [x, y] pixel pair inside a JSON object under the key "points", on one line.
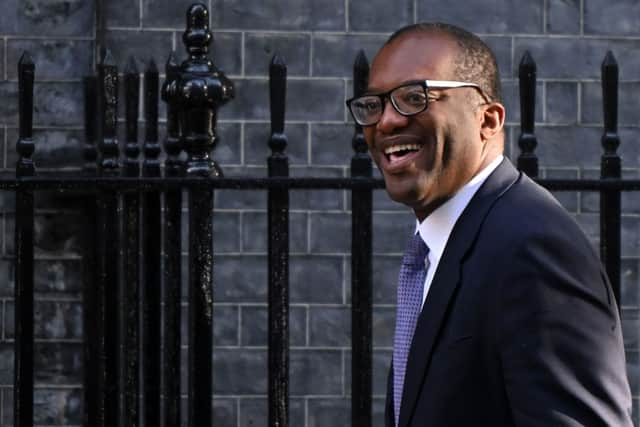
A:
{"points": [[413, 57]]}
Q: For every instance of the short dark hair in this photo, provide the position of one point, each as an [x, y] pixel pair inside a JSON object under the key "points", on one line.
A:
{"points": [[476, 62]]}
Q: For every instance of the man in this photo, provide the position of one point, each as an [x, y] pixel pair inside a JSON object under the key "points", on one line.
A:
{"points": [[505, 316]]}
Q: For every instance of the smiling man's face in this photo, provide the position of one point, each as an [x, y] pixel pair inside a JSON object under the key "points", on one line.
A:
{"points": [[444, 144]]}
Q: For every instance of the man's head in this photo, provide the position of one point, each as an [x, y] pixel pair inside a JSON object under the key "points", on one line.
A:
{"points": [[427, 155]]}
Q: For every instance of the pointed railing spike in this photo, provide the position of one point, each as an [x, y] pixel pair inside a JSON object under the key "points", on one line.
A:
{"points": [[527, 161], [131, 67], [25, 145], [360, 73], [108, 87], [107, 58], [198, 92], [90, 92], [172, 146], [610, 98], [277, 99], [132, 105], [360, 82], [151, 145]]}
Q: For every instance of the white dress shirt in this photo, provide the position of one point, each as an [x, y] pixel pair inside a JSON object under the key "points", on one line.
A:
{"points": [[436, 228]]}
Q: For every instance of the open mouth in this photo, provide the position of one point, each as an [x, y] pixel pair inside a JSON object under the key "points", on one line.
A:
{"points": [[398, 152]]}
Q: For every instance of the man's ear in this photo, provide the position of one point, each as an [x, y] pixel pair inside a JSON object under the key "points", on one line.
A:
{"points": [[492, 120]]}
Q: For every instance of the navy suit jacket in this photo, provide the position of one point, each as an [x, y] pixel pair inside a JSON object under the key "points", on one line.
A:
{"points": [[520, 326]]}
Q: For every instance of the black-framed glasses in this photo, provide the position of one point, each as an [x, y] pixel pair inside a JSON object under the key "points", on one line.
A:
{"points": [[407, 99]]}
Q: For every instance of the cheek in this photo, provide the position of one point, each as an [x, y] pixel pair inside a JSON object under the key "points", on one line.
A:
{"points": [[368, 137]]}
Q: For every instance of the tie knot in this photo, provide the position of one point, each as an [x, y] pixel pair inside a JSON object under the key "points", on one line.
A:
{"points": [[416, 251]]}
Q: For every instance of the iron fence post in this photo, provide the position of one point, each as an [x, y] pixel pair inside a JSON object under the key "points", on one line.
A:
{"points": [[361, 278], [131, 223], [90, 297], [198, 92], [108, 247], [151, 249], [23, 368], [278, 248], [610, 168], [174, 167]]}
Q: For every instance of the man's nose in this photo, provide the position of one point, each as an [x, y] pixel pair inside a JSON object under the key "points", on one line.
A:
{"points": [[391, 119]]}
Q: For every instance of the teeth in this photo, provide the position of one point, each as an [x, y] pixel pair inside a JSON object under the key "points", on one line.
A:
{"points": [[401, 147]]}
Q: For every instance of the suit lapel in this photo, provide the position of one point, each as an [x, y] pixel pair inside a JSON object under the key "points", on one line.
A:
{"points": [[445, 282]]}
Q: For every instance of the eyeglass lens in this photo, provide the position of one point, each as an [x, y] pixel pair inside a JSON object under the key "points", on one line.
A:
{"points": [[407, 100]]}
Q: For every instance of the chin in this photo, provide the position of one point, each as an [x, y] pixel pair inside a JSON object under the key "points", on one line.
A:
{"points": [[406, 196]]}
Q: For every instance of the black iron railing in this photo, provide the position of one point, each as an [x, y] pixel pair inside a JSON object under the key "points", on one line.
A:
{"points": [[145, 201]]}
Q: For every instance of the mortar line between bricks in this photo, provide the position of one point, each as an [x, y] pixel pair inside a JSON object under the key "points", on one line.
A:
{"points": [[311, 53], [289, 122], [264, 395], [299, 77], [309, 144], [299, 349], [52, 297], [58, 425], [346, 15], [306, 304], [48, 81], [545, 11], [308, 220], [307, 332], [513, 54], [4, 327], [544, 101], [237, 405], [345, 282], [590, 37], [51, 127], [243, 55], [582, 17], [579, 106], [4, 145], [343, 372], [575, 125], [241, 227], [4, 74], [9, 37], [70, 257], [4, 234], [240, 310], [325, 33]]}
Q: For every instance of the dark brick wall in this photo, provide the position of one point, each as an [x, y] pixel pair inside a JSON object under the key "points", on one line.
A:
{"points": [[319, 40]]}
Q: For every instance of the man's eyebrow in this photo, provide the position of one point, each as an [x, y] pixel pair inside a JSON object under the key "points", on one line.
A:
{"points": [[373, 90]]}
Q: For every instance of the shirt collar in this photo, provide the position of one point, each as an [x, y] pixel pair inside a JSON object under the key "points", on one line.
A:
{"points": [[436, 228]]}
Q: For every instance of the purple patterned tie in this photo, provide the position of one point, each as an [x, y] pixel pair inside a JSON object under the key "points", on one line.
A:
{"points": [[410, 288]]}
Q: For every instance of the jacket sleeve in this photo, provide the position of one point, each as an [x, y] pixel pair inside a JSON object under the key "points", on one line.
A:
{"points": [[560, 343]]}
